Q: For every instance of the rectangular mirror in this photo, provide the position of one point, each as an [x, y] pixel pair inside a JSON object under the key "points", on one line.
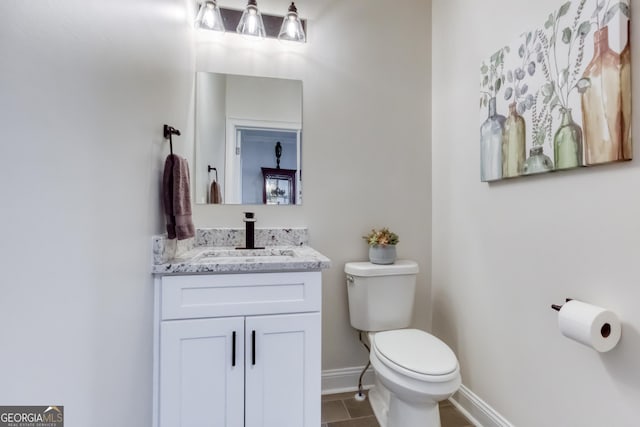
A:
{"points": [[245, 125]]}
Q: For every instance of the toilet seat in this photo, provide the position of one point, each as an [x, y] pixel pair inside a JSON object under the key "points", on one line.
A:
{"points": [[416, 354]]}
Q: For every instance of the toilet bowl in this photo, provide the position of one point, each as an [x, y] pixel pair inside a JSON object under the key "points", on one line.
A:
{"points": [[414, 370]]}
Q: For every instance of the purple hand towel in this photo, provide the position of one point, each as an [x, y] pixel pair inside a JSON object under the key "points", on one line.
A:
{"points": [[177, 198], [215, 196]]}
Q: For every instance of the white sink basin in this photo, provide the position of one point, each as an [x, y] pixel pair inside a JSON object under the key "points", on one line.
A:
{"points": [[244, 259], [246, 255]]}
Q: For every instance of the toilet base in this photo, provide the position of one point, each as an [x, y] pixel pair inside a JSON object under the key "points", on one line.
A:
{"points": [[393, 412], [379, 400], [406, 414]]}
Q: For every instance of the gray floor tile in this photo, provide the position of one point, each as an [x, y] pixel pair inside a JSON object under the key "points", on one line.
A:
{"points": [[450, 417], [358, 409], [444, 403], [358, 422], [333, 410], [338, 396], [342, 410]]}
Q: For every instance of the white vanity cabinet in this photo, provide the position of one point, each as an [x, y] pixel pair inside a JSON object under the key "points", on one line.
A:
{"points": [[238, 350]]}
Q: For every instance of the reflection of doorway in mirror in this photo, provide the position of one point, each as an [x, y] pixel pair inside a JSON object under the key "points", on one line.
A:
{"points": [[257, 151], [250, 147]]}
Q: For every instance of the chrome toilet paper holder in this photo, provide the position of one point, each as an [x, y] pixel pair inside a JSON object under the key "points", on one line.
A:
{"points": [[605, 331], [557, 307]]}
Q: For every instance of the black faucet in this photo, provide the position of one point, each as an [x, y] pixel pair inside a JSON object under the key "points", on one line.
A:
{"points": [[250, 238]]}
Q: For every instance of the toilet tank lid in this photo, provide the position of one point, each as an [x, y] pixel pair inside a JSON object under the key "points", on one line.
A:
{"points": [[367, 269]]}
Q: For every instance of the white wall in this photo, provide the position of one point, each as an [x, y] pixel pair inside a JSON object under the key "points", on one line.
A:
{"points": [[86, 87], [502, 253], [276, 100], [366, 139]]}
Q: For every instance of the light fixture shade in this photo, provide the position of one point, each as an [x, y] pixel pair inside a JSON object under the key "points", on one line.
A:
{"points": [[291, 28], [251, 21], [209, 16]]}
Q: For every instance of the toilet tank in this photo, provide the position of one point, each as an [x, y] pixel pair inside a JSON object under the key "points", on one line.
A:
{"points": [[381, 296]]}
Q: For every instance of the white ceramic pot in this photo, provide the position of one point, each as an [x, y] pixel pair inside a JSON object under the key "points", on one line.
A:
{"points": [[382, 254]]}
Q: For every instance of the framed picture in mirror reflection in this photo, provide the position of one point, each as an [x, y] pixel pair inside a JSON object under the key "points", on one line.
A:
{"points": [[279, 186]]}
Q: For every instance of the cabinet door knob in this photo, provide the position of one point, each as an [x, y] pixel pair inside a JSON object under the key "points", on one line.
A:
{"points": [[233, 349], [253, 347]]}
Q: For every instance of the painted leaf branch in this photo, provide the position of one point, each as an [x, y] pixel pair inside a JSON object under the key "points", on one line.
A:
{"points": [[563, 76], [492, 75], [602, 18], [518, 89], [541, 120]]}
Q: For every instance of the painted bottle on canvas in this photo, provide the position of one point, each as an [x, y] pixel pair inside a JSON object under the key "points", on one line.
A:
{"points": [[625, 90], [513, 144], [567, 142], [601, 103], [538, 162], [491, 144]]}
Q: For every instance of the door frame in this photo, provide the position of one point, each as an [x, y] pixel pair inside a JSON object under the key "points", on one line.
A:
{"points": [[233, 151]]}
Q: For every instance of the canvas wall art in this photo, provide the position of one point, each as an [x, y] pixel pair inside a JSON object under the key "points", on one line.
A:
{"points": [[559, 97]]}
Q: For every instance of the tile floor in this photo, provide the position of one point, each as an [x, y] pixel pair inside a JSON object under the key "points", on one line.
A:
{"points": [[342, 410]]}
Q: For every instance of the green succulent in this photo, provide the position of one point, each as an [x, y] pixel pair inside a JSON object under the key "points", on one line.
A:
{"points": [[382, 237]]}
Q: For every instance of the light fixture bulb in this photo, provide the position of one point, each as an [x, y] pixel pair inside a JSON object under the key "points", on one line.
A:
{"points": [[251, 21], [291, 28], [209, 16]]}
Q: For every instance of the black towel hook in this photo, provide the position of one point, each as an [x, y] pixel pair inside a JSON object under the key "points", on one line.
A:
{"points": [[209, 169], [168, 131]]}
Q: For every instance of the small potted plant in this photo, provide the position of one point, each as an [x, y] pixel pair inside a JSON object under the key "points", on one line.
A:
{"points": [[382, 246]]}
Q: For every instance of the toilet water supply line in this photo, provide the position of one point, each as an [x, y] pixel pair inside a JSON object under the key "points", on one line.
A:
{"points": [[360, 396]]}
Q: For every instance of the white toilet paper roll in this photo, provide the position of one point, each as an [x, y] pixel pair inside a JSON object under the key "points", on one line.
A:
{"points": [[590, 325]]}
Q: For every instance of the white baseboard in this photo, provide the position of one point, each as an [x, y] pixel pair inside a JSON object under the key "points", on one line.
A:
{"points": [[477, 410], [345, 379]]}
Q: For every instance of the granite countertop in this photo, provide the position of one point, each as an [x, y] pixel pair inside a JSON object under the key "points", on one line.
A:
{"points": [[227, 259]]}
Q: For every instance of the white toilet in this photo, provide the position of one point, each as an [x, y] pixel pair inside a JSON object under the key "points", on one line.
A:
{"points": [[414, 370]]}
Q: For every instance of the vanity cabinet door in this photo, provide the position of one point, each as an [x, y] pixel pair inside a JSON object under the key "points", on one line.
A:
{"points": [[283, 370], [200, 383]]}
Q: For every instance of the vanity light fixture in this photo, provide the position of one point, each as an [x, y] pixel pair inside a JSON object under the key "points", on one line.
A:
{"points": [[251, 23], [291, 28], [209, 16]]}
